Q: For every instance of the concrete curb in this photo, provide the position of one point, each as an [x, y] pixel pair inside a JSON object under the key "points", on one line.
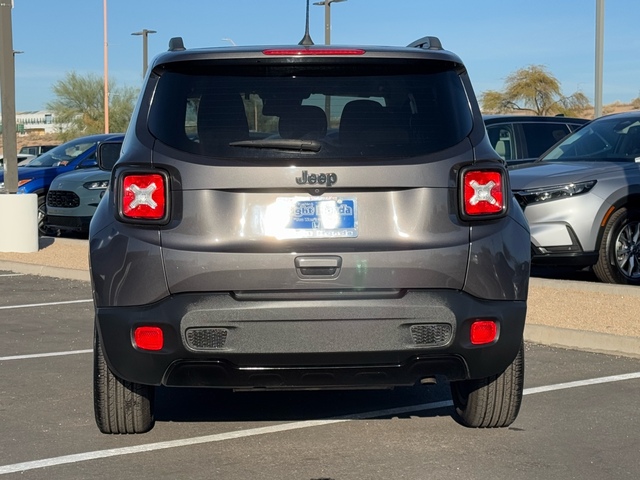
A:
{"points": [[33, 269], [534, 333], [585, 286], [582, 340]]}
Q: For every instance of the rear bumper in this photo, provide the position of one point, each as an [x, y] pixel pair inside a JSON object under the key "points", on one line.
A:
{"points": [[257, 341], [69, 223]]}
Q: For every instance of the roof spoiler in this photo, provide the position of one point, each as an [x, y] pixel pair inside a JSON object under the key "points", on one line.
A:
{"points": [[176, 44], [428, 43]]}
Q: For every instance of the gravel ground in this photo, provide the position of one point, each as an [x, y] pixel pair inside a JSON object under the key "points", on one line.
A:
{"points": [[594, 307], [568, 304], [55, 252]]}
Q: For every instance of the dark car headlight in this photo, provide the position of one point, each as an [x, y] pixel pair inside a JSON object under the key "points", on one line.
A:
{"points": [[101, 185], [547, 194]]}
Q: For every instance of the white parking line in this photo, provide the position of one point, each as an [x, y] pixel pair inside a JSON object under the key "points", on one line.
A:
{"points": [[42, 355], [11, 274], [582, 383], [151, 447], [30, 305]]}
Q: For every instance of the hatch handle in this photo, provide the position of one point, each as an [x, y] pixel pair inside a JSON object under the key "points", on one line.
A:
{"points": [[318, 266]]}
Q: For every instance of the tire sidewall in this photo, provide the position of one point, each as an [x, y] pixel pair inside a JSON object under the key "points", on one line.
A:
{"points": [[616, 224]]}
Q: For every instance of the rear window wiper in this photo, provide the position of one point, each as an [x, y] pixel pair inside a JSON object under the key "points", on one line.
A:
{"points": [[281, 144]]}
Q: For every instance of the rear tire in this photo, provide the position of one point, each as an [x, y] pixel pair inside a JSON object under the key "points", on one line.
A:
{"points": [[121, 407], [491, 402], [619, 255]]}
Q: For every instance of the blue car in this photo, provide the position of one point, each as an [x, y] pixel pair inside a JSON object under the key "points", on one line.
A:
{"points": [[37, 176]]}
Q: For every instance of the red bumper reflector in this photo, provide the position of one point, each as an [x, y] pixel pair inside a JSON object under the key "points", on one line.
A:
{"points": [[149, 338], [483, 332]]}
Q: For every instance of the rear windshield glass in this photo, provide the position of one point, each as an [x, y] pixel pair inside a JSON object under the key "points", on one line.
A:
{"points": [[323, 111]]}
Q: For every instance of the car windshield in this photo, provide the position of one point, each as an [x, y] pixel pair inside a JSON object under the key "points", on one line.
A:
{"points": [[328, 111], [62, 154], [607, 139]]}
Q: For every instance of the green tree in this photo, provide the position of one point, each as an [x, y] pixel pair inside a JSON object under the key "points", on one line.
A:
{"points": [[79, 105], [536, 90]]}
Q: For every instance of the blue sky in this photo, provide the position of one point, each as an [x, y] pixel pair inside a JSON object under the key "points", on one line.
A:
{"points": [[493, 37]]}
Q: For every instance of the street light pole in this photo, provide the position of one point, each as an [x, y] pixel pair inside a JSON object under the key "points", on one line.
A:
{"points": [[327, 41], [145, 62], [8, 99], [106, 70], [599, 57], [327, 18], [18, 213]]}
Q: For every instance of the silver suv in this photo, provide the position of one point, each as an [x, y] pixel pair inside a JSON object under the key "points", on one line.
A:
{"points": [[582, 200], [308, 217]]}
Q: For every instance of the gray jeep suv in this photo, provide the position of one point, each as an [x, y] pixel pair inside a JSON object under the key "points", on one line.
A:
{"points": [[308, 217]]}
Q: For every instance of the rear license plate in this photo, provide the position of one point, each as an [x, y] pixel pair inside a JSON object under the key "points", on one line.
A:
{"points": [[297, 217]]}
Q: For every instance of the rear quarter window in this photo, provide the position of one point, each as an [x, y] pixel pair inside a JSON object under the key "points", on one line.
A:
{"points": [[503, 140]]}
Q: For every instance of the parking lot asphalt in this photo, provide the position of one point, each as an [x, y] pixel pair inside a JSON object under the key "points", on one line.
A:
{"points": [[577, 419], [575, 314]]}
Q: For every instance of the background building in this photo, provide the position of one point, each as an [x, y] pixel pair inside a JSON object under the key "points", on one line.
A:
{"points": [[39, 122]]}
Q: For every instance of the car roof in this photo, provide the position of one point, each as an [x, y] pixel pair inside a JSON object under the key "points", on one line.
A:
{"points": [[424, 48], [489, 119], [632, 114]]}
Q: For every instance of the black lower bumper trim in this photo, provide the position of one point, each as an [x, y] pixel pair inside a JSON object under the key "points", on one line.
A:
{"points": [[582, 259], [72, 224], [226, 375]]}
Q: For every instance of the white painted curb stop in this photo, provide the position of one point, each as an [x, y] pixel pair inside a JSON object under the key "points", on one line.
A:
{"points": [[19, 223]]}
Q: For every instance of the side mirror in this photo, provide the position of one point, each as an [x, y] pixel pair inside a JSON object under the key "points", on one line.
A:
{"points": [[108, 154]]}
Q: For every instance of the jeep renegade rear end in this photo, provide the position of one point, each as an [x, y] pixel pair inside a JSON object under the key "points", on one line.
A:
{"points": [[308, 217]]}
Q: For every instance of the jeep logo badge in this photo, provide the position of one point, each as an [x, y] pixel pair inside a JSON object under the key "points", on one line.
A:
{"points": [[307, 178]]}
